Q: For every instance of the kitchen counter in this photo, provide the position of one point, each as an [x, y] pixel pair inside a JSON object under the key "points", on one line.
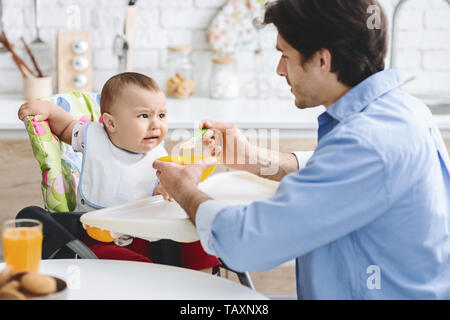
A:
{"points": [[185, 114]]}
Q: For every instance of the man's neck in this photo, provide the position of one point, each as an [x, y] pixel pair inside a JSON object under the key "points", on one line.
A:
{"points": [[336, 92]]}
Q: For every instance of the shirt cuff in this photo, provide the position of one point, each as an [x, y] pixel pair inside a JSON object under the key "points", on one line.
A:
{"points": [[206, 213], [302, 158]]}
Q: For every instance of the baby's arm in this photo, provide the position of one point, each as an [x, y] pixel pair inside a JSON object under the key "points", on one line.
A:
{"points": [[60, 121]]}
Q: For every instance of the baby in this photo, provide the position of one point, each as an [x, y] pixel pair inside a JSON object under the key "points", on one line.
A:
{"points": [[118, 155]]}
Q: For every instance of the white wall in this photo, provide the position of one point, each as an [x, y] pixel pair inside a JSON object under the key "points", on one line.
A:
{"points": [[423, 40]]}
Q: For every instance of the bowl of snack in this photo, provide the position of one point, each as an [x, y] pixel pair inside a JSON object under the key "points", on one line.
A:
{"points": [[30, 286]]}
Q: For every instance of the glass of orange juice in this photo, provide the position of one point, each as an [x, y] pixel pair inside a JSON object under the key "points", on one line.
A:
{"points": [[22, 244]]}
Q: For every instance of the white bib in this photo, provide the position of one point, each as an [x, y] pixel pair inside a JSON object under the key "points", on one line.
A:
{"points": [[111, 176]]}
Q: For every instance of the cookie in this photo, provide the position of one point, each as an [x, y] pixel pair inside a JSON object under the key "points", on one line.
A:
{"points": [[38, 284], [11, 294], [18, 276], [14, 285], [6, 274], [11, 291]]}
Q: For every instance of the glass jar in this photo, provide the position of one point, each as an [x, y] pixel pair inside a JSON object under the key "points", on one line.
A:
{"points": [[224, 83], [180, 83]]}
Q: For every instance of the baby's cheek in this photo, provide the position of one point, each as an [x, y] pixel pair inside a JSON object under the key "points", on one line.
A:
{"points": [[164, 130]]}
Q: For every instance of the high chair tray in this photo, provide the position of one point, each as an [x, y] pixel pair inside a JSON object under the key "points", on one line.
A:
{"points": [[154, 218]]}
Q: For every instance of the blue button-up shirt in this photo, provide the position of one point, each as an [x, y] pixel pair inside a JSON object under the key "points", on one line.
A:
{"points": [[366, 218]]}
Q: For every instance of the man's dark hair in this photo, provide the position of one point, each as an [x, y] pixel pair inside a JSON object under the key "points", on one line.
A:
{"points": [[337, 25]]}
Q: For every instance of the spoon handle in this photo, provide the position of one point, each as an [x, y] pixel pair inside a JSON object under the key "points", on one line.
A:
{"points": [[201, 132]]}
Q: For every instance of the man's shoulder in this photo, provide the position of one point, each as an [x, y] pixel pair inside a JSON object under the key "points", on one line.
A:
{"points": [[389, 125]]}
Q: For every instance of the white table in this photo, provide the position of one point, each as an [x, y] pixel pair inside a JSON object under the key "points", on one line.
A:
{"points": [[113, 279]]}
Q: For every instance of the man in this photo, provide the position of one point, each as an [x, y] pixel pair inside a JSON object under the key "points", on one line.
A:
{"points": [[366, 217]]}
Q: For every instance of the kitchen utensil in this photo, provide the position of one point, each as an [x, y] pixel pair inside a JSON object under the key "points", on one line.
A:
{"points": [[38, 40], [120, 49], [23, 68], [123, 43], [36, 66], [130, 31], [2, 48], [190, 144]]}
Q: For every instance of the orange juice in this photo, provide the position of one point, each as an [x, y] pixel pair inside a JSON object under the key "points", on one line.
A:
{"points": [[23, 248]]}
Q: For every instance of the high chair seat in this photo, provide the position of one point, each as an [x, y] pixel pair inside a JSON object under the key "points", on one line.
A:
{"points": [[60, 165]]}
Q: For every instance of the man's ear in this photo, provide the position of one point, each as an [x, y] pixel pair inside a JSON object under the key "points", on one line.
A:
{"points": [[109, 122], [325, 59]]}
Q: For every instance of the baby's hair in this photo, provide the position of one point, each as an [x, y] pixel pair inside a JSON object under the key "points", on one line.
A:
{"points": [[114, 87]]}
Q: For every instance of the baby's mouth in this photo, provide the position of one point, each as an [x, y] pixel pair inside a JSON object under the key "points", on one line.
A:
{"points": [[151, 138]]}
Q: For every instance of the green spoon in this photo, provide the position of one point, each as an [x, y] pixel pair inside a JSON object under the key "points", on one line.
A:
{"points": [[190, 144]]}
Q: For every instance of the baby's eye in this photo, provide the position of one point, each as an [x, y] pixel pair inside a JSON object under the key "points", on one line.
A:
{"points": [[162, 115], [143, 116]]}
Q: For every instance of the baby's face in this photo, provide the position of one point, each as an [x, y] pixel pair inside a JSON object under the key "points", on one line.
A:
{"points": [[140, 119]]}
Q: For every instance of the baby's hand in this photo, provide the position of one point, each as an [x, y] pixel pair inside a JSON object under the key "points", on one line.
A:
{"points": [[160, 190], [41, 110]]}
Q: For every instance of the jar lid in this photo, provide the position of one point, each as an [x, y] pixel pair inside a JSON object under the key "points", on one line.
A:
{"points": [[223, 60], [181, 48]]}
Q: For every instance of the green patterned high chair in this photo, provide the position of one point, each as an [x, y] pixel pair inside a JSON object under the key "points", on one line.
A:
{"points": [[60, 165], [60, 169]]}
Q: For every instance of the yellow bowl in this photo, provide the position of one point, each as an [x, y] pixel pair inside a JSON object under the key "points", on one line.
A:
{"points": [[99, 234], [189, 159]]}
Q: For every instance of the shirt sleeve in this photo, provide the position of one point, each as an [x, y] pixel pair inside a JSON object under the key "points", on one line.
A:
{"points": [[208, 210], [204, 219], [302, 158], [78, 137], [341, 189]]}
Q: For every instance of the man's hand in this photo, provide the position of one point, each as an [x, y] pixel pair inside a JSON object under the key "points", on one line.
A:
{"points": [[162, 191], [229, 143], [181, 182], [41, 110]]}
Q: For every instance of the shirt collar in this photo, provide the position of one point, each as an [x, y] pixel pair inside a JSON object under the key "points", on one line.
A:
{"points": [[364, 93]]}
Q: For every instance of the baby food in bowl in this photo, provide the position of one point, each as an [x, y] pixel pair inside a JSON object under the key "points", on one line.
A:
{"points": [[190, 159]]}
